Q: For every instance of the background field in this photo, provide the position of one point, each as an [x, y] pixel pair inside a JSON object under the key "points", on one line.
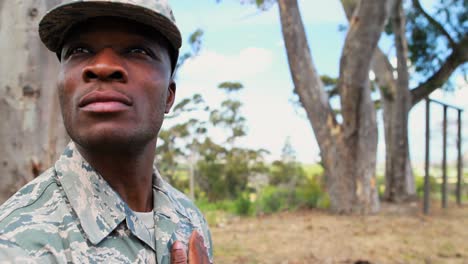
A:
{"points": [[396, 235]]}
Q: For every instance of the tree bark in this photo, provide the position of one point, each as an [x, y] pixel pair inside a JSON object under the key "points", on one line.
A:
{"points": [[388, 88], [398, 187], [395, 97], [395, 159], [32, 132], [349, 149]]}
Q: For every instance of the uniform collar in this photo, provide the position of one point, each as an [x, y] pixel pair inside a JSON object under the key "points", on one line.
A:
{"points": [[99, 208]]}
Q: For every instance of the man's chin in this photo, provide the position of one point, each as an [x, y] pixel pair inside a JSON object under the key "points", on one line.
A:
{"points": [[113, 143]]}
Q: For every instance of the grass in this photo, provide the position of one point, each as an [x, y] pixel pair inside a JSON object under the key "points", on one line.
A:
{"points": [[315, 236]]}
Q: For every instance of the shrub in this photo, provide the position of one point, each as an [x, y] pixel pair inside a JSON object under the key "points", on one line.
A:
{"points": [[286, 172], [434, 186], [273, 199], [243, 205], [309, 194], [380, 185], [224, 205]]}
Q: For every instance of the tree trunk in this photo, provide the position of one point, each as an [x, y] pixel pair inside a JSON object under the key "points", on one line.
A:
{"points": [[399, 179], [398, 186], [32, 132], [348, 149], [395, 98]]}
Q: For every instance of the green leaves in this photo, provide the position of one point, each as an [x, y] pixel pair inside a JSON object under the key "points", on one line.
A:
{"points": [[230, 86], [195, 41], [433, 35], [228, 115], [195, 103]]}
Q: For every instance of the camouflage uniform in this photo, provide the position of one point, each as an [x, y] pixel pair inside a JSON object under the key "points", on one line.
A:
{"points": [[70, 214]]}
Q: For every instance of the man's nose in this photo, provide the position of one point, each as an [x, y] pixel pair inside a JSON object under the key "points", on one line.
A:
{"points": [[105, 66]]}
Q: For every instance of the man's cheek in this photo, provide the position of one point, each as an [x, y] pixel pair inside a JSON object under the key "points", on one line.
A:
{"points": [[65, 103], [61, 96]]}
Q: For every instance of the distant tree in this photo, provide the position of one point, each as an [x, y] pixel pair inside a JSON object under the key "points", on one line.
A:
{"points": [[287, 171], [181, 140], [211, 177], [287, 152], [178, 142], [229, 116], [220, 170], [223, 170]]}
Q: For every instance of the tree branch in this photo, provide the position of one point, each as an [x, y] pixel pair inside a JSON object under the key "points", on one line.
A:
{"points": [[384, 72], [307, 81], [401, 45], [435, 23], [456, 58], [380, 63], [333, 92]]}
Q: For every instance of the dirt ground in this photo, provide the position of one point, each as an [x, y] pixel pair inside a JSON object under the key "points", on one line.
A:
{"points": [[396, 235]]}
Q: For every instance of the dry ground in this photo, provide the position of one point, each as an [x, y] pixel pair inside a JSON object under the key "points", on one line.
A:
{"points": [[396, 235]]}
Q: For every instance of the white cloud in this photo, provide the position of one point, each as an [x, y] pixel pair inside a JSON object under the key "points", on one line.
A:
{"points": [[458, 97], [220, 67]]}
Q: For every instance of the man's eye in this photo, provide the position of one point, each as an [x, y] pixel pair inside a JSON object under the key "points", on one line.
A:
{"points": [[78, 50], [139, 51]]}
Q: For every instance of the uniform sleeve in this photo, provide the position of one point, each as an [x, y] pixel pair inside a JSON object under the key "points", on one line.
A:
{"points": [[10, 252]]}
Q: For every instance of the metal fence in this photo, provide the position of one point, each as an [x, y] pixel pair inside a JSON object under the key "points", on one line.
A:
{"points": [[459, 184]]}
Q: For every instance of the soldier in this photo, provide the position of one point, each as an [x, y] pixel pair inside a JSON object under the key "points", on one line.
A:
{"points": [[103, 201]]}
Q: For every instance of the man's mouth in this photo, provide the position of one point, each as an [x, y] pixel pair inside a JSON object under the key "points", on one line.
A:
{"points": [[105, 102]]}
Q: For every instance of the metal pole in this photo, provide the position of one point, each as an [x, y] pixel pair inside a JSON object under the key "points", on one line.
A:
{"points": [[427, 186], [460, 161], [444, 161]]}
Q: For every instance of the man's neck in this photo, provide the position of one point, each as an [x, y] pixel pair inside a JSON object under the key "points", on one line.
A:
{"points": [[129, 174]]}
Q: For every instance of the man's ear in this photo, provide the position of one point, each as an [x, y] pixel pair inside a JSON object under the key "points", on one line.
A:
{"points": [[170, 98]]}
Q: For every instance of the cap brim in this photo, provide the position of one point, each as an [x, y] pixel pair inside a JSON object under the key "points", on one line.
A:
{"points": [[58, 21]]}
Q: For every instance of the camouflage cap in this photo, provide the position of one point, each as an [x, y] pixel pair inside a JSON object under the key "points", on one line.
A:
{"points": [[155, 13]]}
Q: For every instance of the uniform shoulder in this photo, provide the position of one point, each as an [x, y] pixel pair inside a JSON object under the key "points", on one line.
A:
{"points": [[27, 197], [182, 201]]}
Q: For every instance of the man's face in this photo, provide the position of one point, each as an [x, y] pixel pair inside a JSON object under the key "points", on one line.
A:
{"points": [[115, 84]]}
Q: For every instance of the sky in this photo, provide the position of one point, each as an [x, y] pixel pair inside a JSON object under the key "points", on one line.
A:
{"points": [[243, 44]]}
